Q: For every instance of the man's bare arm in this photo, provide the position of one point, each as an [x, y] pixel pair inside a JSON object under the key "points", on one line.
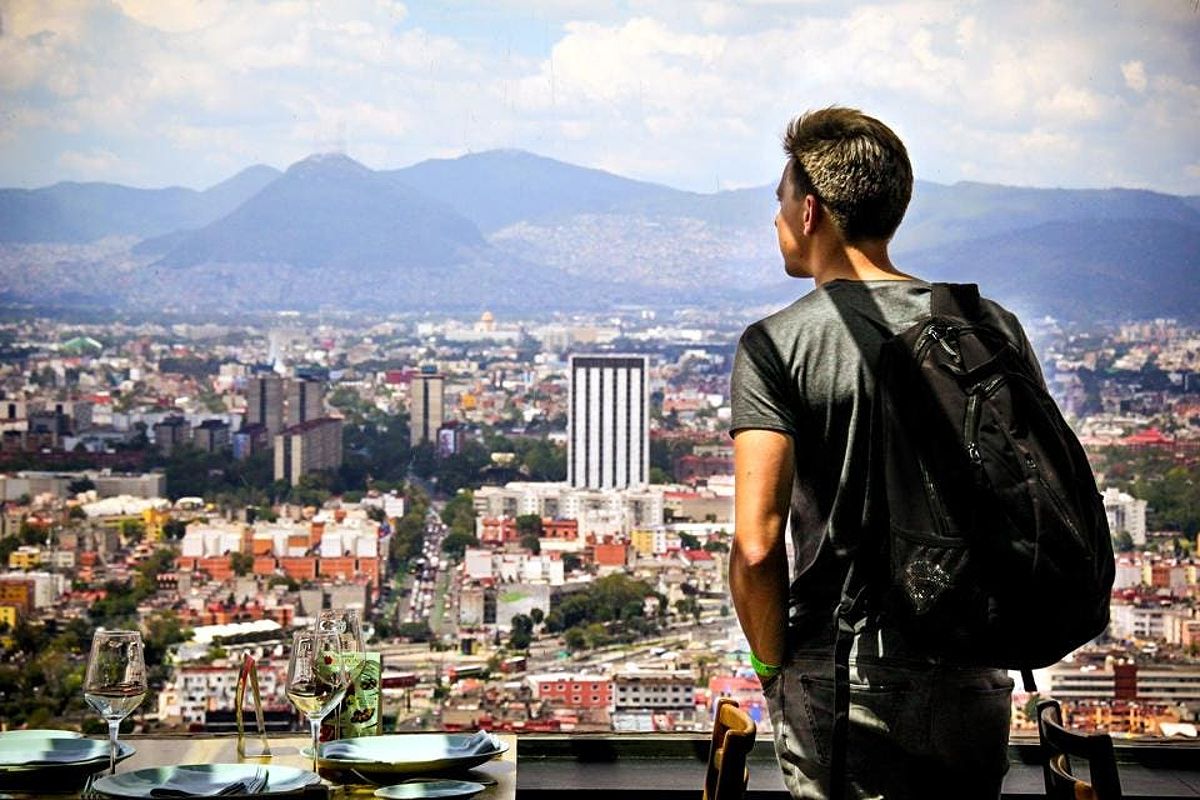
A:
{"points": [[758, 570]]}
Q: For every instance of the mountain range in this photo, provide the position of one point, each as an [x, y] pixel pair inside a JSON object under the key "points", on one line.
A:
{"points": [[512, 230]]}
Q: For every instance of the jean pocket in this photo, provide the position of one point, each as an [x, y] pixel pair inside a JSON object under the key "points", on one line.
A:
{"points": [[769, 685], [877, 709], [973, 722]]}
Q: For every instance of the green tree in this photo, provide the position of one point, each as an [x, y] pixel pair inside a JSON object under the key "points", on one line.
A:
{"points": [[686, 606], [241, 563], [174, 529], [529, 524], [459, 513], [522, 632], [575, 639], [543, 460], [456, 544]]}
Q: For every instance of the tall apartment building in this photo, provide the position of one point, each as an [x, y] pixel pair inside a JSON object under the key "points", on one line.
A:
{"points": [[428, 408], [308, 447], [305, 400], [1126, 513], [172, 433], [264, 402], [608, 437], [212, 435]]}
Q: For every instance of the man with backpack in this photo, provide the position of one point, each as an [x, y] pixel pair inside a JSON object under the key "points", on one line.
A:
{"points": [[944, 523]]}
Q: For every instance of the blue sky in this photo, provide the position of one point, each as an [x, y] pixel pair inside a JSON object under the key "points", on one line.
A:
{"points": [[691, 94]]}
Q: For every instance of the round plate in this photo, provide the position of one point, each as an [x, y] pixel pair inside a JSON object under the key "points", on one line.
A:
{"points": [[431, 788], [379, 759], [33, 733], [61, 777], [42, 752], [139, 783]]}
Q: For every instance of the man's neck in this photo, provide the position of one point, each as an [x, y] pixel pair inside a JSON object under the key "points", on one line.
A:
{"points": [[866, 261]]}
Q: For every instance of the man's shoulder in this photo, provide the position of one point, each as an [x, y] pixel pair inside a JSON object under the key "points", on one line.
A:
{"points": [[807, 310]]}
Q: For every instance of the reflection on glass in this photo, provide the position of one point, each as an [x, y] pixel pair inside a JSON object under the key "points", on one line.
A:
{"points": [[116, 681], [317, 678]]}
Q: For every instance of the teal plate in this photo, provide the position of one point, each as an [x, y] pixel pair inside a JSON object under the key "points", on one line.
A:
{"points": [[69, 769], [379, 758], [411, 790], [139, 783], [32, 733], [51, 751]]}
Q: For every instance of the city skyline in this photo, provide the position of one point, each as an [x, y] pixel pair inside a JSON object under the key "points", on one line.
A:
{"points": [[180, 93]]}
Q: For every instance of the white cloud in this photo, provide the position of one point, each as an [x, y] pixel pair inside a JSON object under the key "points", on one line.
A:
{"points": [[1135, 75], [662, 89], [90, 164], [174, 16]]}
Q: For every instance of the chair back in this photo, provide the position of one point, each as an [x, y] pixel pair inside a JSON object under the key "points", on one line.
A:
{"points": [[1058, 744], [732, 738]]}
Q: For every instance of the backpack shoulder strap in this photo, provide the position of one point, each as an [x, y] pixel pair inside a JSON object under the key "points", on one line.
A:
{"points": [[956, 300]]}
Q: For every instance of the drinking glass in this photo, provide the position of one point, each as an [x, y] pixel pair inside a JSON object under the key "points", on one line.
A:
{"points": [[116, 681], [317, 678], [346, 623]]}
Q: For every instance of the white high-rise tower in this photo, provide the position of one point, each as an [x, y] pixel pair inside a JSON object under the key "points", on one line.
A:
{"points": [[609, 434]]}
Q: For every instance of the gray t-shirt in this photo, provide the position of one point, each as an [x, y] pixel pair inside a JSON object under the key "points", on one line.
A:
{"points": [[808, 371]]}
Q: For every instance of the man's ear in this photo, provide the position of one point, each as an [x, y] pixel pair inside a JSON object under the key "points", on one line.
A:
{"points": [[812, 214]]}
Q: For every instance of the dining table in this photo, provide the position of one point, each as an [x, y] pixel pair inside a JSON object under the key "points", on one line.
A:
{"points": [[499, 775]]}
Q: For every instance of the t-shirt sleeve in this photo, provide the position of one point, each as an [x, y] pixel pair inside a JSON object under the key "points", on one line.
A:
{"points": [[761, 394]]}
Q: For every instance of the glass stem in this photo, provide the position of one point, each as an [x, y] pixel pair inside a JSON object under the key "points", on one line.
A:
{"points": [[315, 724], [114, 726]]}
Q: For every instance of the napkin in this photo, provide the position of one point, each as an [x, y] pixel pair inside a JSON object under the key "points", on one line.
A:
{"points": [[194, 783], [482, 742]]}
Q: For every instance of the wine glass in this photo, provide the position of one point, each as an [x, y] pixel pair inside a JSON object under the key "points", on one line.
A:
{"points": [[317, 679], [116, 681], [346, 623]]}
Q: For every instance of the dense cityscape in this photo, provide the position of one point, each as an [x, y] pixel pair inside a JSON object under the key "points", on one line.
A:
{"points": [[533, 515]]}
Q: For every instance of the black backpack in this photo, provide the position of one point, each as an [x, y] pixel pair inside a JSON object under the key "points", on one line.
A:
{"points": [[987, 541]]}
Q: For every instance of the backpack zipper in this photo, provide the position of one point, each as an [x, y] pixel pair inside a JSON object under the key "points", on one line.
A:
{"points": [[935, 503], [933, 333], [1055, 501], [972, 415]]}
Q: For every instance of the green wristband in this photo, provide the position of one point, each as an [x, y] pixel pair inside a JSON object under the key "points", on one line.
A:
{"points": [[761, 669]]}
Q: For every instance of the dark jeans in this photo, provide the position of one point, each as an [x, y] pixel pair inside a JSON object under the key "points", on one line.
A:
{"points": [[918, 729]]}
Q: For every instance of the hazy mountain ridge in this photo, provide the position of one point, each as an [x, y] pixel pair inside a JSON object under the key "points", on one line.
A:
{"points": [[86, 212], [513, 230]]}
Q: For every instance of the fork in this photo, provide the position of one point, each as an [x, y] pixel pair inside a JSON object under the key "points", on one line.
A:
{"points": [[89, 793]]}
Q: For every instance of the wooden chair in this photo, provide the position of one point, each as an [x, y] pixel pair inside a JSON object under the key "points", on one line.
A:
{"points": [[732, 737], [1058, 744]]}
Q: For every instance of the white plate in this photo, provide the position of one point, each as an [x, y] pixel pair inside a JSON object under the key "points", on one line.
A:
{"points": [[138, 784], [413, 790]]}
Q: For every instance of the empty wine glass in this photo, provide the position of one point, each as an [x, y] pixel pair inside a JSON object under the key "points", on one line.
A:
{"points": [[116, 681], [317, 678]]}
